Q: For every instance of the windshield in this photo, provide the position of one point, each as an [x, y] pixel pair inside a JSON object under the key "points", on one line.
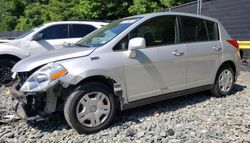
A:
{"points": [[105, 34], [28, 32]]}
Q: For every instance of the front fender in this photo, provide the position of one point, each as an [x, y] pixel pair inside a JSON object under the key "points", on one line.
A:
{"points": [[71, 79], [12, 50]]}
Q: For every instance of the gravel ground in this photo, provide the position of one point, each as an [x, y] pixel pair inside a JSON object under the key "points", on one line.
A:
{"points": [[192, 118]]}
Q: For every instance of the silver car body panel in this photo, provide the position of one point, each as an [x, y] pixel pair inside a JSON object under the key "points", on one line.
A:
{"points": [[154, 71]]}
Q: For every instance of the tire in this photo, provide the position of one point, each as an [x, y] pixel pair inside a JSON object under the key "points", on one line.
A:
{"points": [[5, 71], [219, 89], [80, 100]]}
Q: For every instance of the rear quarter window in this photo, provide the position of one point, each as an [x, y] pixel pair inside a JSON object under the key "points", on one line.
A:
{"points": [[80, 30], [213, 31]]}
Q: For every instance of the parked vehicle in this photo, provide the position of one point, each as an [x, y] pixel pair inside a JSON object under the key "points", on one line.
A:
{"points": [[41, 39], [130, 62]]}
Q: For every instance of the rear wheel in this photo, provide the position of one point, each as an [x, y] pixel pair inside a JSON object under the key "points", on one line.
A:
{"points": [[5, 71], [90, 108], [224, 81]]}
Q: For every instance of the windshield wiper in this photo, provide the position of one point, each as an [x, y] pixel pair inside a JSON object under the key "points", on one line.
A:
{"points": [[8, 38], [83, 45]]}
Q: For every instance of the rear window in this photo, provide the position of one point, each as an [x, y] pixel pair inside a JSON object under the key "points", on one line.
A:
{"points": [[80, 30], [197, 30]]}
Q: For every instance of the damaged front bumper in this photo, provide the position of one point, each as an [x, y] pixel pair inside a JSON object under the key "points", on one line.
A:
{"points": [[34, 105]]}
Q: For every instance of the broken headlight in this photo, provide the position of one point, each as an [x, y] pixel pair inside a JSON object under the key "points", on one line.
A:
{"points": [[44, 78]]}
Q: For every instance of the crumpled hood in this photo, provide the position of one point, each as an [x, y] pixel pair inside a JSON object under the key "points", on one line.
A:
{"points": [[52, 56]]}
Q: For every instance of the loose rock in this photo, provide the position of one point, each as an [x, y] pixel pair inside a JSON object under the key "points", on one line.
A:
{"points": [[199, 117], [130, 132]]}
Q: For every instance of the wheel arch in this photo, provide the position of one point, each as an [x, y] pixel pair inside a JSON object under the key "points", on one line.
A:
{"points": [[9, 56], [226, 63], [112, 84], [241, 53], [109, 82]]}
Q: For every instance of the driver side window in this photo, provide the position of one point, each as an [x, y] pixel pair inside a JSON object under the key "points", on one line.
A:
{"points": [[156, 32]]}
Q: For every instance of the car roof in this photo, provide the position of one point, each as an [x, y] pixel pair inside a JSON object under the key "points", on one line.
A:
{"points": [[95, 23], [150, 15]]}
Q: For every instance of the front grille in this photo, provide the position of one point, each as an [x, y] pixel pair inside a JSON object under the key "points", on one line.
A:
{"points": [[22, 77]]}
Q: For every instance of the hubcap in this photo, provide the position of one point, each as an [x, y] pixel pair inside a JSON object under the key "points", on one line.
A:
{"points": [[93, 109], [225, 80]]}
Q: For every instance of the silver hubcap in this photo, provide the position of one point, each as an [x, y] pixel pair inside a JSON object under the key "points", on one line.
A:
{"points": [[225, 80], [93, 109]]}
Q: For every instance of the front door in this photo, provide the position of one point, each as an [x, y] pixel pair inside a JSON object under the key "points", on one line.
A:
{"points": [[53, 38], [160, 67]]}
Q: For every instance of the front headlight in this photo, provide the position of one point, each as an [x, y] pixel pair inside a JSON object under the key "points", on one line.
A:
{"points": [[44, 78]]}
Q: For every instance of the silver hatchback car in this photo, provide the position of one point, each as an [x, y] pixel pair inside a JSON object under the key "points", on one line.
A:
{"points": [[130, 62]]}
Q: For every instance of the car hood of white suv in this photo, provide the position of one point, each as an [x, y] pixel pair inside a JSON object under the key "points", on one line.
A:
{"points": [[5, 41], [8, 40], [32, 62]]}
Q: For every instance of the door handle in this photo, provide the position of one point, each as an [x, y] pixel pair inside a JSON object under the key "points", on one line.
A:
{"points": [[177, 53], [217, 48]]}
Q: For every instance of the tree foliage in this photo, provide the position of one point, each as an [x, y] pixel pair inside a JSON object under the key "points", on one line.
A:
{"points": [[25, 14]]}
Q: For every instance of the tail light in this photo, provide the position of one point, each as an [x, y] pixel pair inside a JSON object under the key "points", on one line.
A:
{"points": [[233, 43]]}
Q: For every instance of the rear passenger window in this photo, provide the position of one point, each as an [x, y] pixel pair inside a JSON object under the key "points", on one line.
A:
{"points": [[193, 29], [80, 30], [213, 32]]}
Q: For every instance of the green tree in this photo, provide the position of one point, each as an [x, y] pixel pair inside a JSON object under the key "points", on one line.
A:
{"points": [[8, 23], [34, 15], [11, 12], [171, 3], [101, 9], [143, 6], [25, 14]]}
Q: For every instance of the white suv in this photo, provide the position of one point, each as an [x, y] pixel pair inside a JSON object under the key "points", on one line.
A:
{"points": [[41, 39]]}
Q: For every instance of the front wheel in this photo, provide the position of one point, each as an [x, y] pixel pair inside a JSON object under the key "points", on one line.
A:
{"points": [[90, 108], [224, 82], [5, 72]]}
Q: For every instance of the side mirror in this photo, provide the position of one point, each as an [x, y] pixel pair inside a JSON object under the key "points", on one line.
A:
{"points": [[37, 37], [134, 44]]}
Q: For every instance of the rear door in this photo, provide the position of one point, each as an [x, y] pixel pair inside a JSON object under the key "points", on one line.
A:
{"points": [[161, 66], [203, 49], [53, 38]]}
